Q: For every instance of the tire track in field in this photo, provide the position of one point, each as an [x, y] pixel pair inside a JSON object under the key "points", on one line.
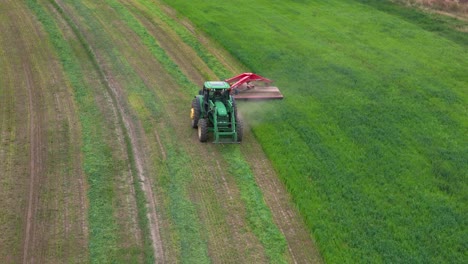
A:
{"points": [[55, 227], [26, 79], [36, 153], [35, 165], [129, 129]]}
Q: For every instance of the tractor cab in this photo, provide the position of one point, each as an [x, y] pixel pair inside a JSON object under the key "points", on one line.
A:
{"points": [[215, 91]]}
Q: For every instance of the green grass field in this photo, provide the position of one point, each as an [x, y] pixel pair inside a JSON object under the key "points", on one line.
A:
{"points": [[371, 137], [101, 165]]}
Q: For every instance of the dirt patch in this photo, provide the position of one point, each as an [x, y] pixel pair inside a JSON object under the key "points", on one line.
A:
{"points": [[453, 8]]}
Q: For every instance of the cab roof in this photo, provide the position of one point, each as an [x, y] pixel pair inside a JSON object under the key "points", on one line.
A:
{"points": [[217, 85]]}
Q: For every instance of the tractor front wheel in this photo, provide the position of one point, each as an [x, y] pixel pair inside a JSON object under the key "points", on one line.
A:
{"points": [[203, 130], [195, 112]]}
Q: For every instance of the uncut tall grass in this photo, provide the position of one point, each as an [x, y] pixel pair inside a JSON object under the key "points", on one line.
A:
{"points": [[371, 136]]}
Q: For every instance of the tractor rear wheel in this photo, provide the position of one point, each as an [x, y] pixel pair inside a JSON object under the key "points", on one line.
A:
{"points": [[239, 129], [195, 112], [203, 130]]}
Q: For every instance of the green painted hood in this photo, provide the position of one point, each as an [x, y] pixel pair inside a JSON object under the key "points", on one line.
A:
{"points": [[221, 108]]}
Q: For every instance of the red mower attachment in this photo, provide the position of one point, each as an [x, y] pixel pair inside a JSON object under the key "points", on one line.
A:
{"points": [[247, 86]]}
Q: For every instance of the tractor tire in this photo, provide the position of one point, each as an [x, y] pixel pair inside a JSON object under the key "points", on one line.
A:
{"points": [[239, 129], [234, 106], [203, 130], [195, 112]]}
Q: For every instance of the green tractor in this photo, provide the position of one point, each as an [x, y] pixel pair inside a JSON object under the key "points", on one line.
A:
{"points": [[214, 110]]}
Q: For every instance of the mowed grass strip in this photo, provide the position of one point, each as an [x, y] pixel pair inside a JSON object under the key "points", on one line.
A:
{"points": [[98, 161], [13, 145], [152, 44], [153, 10], [144, 109], [259, 215], [175, 178], [370, 139], [174, 172]]}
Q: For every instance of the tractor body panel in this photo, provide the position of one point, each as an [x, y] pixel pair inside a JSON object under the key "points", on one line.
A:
{"points": [[213, 110], [220, 108]]}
